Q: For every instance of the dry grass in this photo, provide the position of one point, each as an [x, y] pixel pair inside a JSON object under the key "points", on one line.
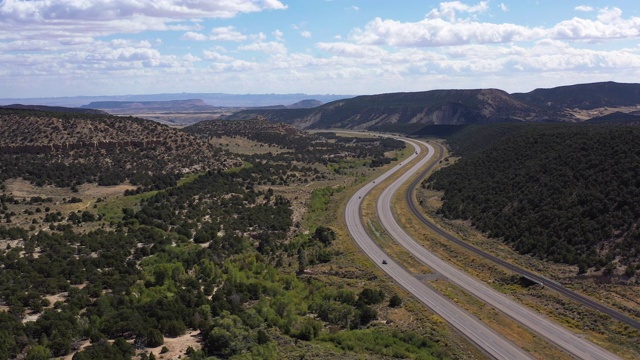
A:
{"points": [[241, 145], [588, 114], [88, 193]]}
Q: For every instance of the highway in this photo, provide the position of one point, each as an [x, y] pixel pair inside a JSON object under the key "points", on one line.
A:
{"points": [[492, 343], [553, 332], [518, 270]]}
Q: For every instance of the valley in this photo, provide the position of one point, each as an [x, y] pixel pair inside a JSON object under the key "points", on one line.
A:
{"points": [[224, 238]]}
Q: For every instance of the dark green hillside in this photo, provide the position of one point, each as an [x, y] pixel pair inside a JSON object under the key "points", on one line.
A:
{"points": [[584, 96], [568, 193]]}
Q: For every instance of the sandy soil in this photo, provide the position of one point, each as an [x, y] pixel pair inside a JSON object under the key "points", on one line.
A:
{"points": [[22, 188], [177, 346], [241, 145], [588, 114]]}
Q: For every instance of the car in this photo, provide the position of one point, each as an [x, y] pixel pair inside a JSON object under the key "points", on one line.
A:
{"points": [[384, 262]]}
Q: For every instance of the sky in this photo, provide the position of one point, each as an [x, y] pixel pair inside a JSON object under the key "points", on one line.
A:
{"points": [[53, 48]]}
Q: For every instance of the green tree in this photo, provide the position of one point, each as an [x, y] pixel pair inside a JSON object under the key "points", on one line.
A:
{"points": [[154, 338], [395, 301], [39, 352]]}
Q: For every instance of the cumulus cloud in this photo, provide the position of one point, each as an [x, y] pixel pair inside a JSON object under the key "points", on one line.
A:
{"points": [[450, 9], [352, 50], [117, 16], [194, 36], [305, 34], [455, 41], [584, 8], [226, 33], [609, 24], [279, 35], [270, 47], [443, 27], [213, 55], [80, 10], [439, 32]]}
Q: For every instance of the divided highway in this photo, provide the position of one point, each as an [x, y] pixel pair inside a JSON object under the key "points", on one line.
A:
{"points": [[562, 337], [518, 270], [485, 338]]}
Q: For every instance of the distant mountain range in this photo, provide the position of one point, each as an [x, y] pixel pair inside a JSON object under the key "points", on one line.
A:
{"points": [[404, 112], [190, 105], [400, 111], [212, 99], [134, 107]]}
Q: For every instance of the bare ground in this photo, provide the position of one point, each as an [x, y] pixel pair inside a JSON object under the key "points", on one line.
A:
{"points": [[178, 346]]}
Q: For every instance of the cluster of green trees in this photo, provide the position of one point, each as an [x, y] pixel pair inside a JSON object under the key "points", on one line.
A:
{"points": [[214, 254], [567, 193], [144, 282]]}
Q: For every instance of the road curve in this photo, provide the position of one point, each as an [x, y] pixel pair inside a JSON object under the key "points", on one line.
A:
{"points": [[485, 338], [553, 332], [516, 269]]}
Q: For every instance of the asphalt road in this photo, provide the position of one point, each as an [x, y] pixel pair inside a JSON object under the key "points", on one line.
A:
{"points": [[523, 272], [553, 332], [492, 343]]}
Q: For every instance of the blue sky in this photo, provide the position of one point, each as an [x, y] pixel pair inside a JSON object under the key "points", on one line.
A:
{"points": [[54, 48]]}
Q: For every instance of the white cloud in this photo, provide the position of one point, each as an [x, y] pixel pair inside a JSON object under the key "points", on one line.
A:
{"points": [[216, 56], [56, 43], [449, 9], [61, 18], [352, 50], [442, 27], [439, 32], [609, 24], [270, 47], [81, 10], [191, 58], [194, 36], [259, 37], [226, 33], [305, 34], [503, 7], [584, 8], [279, 35]]}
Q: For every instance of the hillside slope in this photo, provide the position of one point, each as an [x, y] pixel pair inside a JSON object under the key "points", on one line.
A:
{"points": [[401, 109], [70, 149], [584, 96], [565, 192], [408, 112]]}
